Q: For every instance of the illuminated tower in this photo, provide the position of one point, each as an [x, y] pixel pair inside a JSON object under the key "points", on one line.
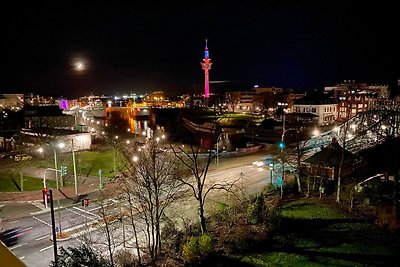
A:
{"points": [[206, 65]]}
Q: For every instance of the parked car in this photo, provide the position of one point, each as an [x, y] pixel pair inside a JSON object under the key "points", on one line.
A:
{"points": [[20, 157], [10, 237]]}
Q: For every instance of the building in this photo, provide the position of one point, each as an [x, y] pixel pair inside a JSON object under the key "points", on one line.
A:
{"points": [[72, 140], [354, 97], [51, 116], [318, 105], [11, 101], [240, 101], [351, 86], [326, 163]]}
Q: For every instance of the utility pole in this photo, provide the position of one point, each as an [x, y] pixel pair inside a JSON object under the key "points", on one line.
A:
{"points": [[73, 160], [53, 226]]}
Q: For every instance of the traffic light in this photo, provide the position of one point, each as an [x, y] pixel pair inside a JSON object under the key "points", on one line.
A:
{"points": [[85, 202], [63, 170], [281, 145]]}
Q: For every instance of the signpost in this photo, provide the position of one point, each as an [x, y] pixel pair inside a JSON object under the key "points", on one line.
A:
{"points": [[279, 183], [85, 203], [269, 166], [100, 184]]}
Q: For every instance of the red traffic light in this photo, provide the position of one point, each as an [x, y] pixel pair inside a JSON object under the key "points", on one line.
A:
{"points": [[85, 202]]}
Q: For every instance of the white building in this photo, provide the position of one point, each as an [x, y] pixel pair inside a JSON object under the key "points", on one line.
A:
{"points": [[324, 108]]}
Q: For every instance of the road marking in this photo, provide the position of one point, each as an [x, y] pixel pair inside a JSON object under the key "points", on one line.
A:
{"points": [[21, 258], [40, 220], [17, 246], [80, 214], [39, 206], [83, 242], [43, 249], [95, 209], [26, 229], [87, 212], [2, 206], [43, 237], [14, 222]]}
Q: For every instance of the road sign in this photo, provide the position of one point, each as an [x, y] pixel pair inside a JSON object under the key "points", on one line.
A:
{"points": [[278, 182]]}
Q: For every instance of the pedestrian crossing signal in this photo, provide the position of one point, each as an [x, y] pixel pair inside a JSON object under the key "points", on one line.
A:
{"points": [[63, 170], [85, 202]]}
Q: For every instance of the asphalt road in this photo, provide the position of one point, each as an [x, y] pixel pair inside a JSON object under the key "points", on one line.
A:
{"points": [[35, 247]]}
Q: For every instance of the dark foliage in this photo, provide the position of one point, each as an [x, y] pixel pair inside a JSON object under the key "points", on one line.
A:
{"points": [[78, 257]]}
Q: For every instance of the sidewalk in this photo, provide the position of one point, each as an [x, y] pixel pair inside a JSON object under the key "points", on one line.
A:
{"points": [[86, 185], [65, 193]]}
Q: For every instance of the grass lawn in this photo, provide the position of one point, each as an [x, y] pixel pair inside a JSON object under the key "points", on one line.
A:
{"points": [[11, 182], [315, 234], [88, 163]]}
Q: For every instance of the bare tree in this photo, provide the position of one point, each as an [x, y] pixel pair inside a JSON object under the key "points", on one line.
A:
{"points": [[198, 165], [107, 220], [233, 100], [344, 135], [151, 187]]}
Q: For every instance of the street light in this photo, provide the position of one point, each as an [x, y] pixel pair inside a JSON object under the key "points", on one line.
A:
{"points": [[74, 162], [60, 145], [115, 154], [41, 150]]}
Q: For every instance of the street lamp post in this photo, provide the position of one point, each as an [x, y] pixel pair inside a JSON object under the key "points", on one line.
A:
{"points": [[56, 167], [60, 145], [115, 154], [73, 160]]}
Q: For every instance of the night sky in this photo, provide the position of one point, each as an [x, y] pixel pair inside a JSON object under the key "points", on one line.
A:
{"points": [[158, 46]]}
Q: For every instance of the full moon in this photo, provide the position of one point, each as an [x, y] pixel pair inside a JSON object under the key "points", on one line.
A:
{"points": [[79, 66]]}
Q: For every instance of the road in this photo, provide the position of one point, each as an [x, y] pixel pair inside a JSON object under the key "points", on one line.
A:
{"points": [[35, 248]]}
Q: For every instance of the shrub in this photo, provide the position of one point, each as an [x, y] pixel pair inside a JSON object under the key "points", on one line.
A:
{"points": [[274, 217], [205, 244], [255, 211], [190, 250], [171, 236], [197, 248], [125, 258]]}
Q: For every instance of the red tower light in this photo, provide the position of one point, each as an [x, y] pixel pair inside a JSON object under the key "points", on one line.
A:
{"points": [[206, 66]]}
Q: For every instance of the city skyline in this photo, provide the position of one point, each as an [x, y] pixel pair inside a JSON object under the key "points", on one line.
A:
{"points": [[140, 48]]}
